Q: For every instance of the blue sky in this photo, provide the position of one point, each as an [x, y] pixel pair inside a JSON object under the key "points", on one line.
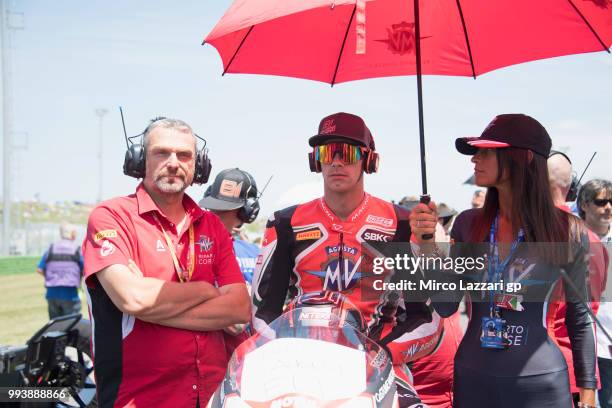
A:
{"points": [[75, 56]]}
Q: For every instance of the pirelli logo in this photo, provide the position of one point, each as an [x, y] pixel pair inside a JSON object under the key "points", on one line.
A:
{"points": [[303, 236], [105, 234]]}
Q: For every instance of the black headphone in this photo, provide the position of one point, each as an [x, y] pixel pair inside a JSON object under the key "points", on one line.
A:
{"points": [[250, 210], [572, 193], [370, 162], [248, 213], [134, 162]]}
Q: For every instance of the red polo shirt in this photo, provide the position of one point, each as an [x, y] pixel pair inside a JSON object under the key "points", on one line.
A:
{"points": [[140, 364]]}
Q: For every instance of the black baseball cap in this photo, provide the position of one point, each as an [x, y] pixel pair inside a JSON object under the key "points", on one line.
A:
{"points": [[509, 130], [343, 126], [229, 191]]}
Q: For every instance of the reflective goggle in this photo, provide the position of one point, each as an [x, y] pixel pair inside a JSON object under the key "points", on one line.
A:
{"points": [[348, 153]]}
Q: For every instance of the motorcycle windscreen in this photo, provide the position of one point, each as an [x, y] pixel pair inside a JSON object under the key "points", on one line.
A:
{"points": [[310, 352], [304, 367]]}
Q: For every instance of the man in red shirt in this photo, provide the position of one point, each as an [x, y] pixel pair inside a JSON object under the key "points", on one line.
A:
{"points": [[163, 282], [560, 178]]}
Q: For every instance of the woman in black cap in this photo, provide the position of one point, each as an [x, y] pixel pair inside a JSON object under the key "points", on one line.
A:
{"points": [[506, 358]]}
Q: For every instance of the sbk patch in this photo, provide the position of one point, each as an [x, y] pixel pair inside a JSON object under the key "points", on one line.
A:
{"points": [[371, 234]]}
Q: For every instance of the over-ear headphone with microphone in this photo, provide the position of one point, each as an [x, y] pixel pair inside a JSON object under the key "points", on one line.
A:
{"points": [[134, 163], [572, 193], [370, 161], [248, 213]]}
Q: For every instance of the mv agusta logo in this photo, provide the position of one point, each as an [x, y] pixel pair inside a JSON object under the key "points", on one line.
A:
{"points": [[340, 275], [205, 243], [401, 38]]}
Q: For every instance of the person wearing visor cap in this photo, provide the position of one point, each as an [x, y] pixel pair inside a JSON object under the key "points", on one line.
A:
{"points": [[319, 245], [233, 197], [517, 364]]}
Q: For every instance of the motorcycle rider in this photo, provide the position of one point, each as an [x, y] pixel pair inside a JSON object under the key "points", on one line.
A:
{"points": [[324, 244]]}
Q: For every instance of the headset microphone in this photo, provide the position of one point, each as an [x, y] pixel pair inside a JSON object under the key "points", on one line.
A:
{"points": [[134, 162], [248, 213]]}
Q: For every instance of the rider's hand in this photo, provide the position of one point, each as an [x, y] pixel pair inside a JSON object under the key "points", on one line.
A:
{"points": [[423, 221]]}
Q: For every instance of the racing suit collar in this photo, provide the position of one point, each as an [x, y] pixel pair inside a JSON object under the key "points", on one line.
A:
{"points": [[357, 213]]}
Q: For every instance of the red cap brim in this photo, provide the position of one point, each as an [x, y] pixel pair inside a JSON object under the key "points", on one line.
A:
{"points": [[470, 145]]}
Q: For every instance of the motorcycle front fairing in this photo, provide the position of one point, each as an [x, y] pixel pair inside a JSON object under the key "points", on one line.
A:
{"points": [[308, 360]]}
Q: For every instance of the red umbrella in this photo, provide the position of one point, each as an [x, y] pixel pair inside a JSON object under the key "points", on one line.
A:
{"points": [[336, 41]]}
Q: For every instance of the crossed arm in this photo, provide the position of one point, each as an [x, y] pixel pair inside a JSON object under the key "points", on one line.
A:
{"points": [[192, 305]]}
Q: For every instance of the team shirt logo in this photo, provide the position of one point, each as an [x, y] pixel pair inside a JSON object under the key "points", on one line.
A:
{"points": [[107, 248], [160, 246], [110, 233], [205, 243]]}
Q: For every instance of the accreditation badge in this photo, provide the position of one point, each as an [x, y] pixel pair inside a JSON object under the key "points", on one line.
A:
{"points": [[494, 333]]}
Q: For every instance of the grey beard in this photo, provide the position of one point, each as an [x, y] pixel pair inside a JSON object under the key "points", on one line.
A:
{"points": [[170, 188]]}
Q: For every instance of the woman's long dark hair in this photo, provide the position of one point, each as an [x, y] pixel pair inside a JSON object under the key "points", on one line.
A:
{"points": [[532, 207]]}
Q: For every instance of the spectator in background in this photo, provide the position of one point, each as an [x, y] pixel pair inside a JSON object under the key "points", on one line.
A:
{"points": [[62, 267], [478, 199], [560, 179], [595, 208], [233, 197]]}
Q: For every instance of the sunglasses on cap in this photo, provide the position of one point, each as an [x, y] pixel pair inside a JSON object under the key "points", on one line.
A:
{"points": [[348, 153], [601, 202]]}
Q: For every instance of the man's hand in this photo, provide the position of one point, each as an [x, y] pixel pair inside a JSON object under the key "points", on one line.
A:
{"points": [[235, 329], [423, 220]]}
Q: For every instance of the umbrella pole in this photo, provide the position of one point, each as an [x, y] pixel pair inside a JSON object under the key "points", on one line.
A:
{"points": [[425, 198]]}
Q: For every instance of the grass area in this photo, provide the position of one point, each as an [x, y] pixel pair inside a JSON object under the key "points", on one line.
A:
{"points": [[17, 265], [23, 307]]}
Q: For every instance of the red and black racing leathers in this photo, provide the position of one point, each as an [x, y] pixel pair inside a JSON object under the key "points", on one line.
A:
{"points": [[307, 248]]}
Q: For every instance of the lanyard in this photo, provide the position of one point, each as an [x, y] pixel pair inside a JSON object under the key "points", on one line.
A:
{"points": [[180, 271], [496, 269]]}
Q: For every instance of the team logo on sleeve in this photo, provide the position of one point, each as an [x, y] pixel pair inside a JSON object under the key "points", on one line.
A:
{"points": [[109, 233], [107, 248]]}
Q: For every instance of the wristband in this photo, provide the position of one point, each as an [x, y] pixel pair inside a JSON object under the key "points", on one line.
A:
{"points": [[583, 405]]}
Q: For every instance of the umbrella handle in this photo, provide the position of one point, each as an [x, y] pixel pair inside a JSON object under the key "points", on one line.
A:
{"points": [[425, 199]]}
